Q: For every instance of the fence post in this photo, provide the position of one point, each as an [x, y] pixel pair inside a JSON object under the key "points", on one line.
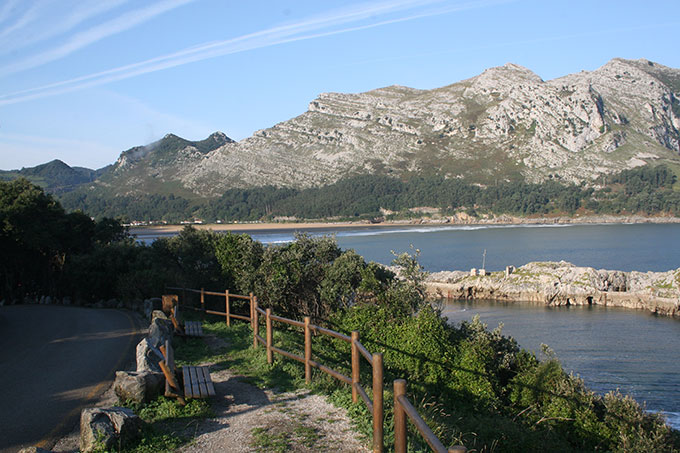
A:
{"points": [[355, 365], [378, 410], [252, 311], [270, 357], [256, 324], [399, 417], [226, 301], [308, 351], [203, 303]]}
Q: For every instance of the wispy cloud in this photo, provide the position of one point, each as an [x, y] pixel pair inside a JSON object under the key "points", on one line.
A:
{"points": [[82, 39], [6, 9], [346, 20], [23, 20], [22, 35]]}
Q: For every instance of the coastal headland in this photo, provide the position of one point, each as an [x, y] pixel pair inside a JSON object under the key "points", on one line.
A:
{"points": [[563, 284]]}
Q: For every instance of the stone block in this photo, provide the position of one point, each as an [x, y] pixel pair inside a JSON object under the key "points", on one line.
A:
{"points": [[108, 428], [138, 386], [148, 357]]}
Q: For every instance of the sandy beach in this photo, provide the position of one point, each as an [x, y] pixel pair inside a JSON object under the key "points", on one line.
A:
{"points": [[451, 221], [243, 227]]}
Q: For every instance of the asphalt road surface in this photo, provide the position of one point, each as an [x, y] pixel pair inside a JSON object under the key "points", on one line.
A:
{"points": [[54, 361]]}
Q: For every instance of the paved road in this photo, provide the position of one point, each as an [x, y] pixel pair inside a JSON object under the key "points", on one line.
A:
{"points": [[54, 361]]}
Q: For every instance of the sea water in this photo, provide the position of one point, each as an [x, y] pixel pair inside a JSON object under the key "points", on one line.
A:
{"points": [[640, 247]]}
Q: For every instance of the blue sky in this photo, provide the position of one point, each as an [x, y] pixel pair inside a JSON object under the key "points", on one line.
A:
{"points": [[83, 80]]}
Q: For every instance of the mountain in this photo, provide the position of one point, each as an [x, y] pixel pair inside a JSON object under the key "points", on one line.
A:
{"points": [[159, 167], [55, 176], [504, 124]]}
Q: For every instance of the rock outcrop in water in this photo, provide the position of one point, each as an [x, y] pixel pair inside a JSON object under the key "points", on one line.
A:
{"points": [[562, 283]]}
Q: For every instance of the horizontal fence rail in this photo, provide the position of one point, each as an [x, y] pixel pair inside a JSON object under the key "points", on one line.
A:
{"points": [[227, 304], [402, 406]]}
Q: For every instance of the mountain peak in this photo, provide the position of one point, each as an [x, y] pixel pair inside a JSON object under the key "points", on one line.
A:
{"points": [[513, 70]]}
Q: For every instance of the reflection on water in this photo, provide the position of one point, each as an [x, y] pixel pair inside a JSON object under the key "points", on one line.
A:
{"points": [[609, 348]]}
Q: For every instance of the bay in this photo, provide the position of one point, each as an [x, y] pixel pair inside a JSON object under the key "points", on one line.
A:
{"points": [[609, 348], [625, 247]]}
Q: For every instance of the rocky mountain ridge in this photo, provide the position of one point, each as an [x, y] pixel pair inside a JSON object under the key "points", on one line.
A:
{"points": [[504, 124]]}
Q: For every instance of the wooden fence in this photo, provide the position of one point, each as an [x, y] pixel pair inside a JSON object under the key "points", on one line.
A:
{"points": [[402, 406]]}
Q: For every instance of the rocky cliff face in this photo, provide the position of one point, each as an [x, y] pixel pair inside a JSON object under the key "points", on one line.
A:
{"points": [[563, 283], [502, 124], [159, 167]]}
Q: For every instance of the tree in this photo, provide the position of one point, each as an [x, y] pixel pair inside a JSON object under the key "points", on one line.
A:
{"points": [[36, 237]]}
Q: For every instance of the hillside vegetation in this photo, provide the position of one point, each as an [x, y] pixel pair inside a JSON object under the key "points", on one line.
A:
{"points": [[474, 386], [646, 190]]}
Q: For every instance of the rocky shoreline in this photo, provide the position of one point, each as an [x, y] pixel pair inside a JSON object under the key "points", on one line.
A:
{"points": [[562, 283]]}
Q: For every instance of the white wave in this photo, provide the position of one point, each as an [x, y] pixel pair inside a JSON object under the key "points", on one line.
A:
{"points": [[438, 229], [672, 419]]}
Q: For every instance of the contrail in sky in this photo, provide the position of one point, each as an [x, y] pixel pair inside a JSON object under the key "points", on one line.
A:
{"points": [[92, 35], [332, 23], [21, 35]]}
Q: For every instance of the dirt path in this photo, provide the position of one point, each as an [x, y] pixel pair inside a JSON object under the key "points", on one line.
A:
{"points": [[248, 419]]}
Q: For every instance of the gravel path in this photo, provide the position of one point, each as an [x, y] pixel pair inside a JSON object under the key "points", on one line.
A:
{"points": [[248, 419]]}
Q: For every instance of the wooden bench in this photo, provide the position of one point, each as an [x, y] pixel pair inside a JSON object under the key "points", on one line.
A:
{"points": [[190, 328], [196, 380], [193, 328]]}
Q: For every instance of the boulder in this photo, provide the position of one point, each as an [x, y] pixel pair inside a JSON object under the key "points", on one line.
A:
{"points": [[108, 428], [160, 330], [159, 314], [138, 386], [152, 304], [34, 450], [148, 357]]}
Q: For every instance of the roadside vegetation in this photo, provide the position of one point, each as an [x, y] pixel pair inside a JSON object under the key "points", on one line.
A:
{"points": [[473, 385], [646, 190]]}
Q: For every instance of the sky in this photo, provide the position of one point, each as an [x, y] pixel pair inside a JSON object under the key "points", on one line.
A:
{"points": [[82, 81]]}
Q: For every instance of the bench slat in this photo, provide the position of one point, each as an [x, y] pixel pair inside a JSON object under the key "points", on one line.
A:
{"points": [[187, 382], [195, 390], [201, 384], [193, 328], [209, 382]]}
